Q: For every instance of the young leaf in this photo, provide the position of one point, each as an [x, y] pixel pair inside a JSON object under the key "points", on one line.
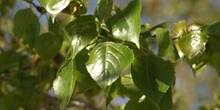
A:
{"points": [[126, 24], [26, 26], [104, 9], [83, 30], [107, 62], [64, 84], [192, 44], [180, 28], [48, 45], [54, 7], [165, 45], [152, 79]]}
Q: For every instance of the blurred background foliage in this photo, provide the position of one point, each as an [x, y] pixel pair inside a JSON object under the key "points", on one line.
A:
{"points": [[191, 93]]}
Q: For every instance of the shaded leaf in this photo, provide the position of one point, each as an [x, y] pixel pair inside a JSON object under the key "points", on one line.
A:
{"points": [[104, 9], [152, 79], [128, 88], [48, 45], [215, 62], [143, 104], [213, 30], [165, 45], [26, 26], [64, 84], [83, 31], [84, 80], [107, 62], [126, 24], [8, 59], [166, 103]]}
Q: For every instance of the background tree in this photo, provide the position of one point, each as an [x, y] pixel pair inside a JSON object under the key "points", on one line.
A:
{"points": [[55, 55]]}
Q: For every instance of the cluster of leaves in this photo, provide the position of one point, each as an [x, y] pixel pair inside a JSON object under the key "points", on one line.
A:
{"points": [[111, 50]]}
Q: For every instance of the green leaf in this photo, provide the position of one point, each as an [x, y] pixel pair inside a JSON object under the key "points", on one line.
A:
{"points": [[26, 26], [64, 84], [213, 30], [111, 91], [48, 45], [104, 9], [54, 7], [143, 104], [152, 79], [126, 24], [166, 103], [165, 45], [107, 62], [84, 80], [128, 88], [8, 60], [83, 30], [180, 28], [215, 62], [192, 44]]}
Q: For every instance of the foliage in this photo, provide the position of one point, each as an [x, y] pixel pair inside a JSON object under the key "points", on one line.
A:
{"points": [[108, 51]]}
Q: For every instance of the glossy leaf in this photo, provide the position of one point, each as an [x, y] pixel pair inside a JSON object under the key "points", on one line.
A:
{"points": [[180, 28], [165, 45], [107, 62], [64, 84], [152, 79], [126, 24], [26, 26], [192, 44], [48, 45], [83, 31], [104, 9], [54, 7]]}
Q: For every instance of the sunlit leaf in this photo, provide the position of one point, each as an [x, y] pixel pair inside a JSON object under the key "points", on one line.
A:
{"points": [[26, 26], [152, 79], [54, 7], [48, 45], [192, 44], [64, 84], [180, 28], [107, 62], [83, 31], [126, 24]]}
